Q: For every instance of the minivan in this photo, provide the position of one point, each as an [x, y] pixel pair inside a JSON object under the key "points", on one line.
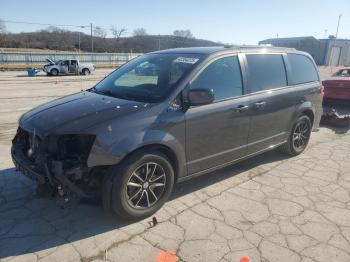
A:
{"points": [[168, 116]]}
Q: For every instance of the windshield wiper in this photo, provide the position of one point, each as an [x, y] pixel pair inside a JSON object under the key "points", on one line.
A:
{"points": [[110, 93], [95, 90]]}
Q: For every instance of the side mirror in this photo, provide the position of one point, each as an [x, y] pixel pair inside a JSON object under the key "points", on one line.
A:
{"points": [[200, 96]]}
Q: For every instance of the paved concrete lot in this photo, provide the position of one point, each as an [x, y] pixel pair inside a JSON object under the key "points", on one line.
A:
{"points": [[271, 208]]}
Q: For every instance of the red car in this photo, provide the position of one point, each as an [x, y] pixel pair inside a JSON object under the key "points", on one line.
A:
{"points": [[338, 86]]}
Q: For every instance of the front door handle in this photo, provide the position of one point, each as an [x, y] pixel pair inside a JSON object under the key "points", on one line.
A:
{"points": [[241, 108], [260, 104]]}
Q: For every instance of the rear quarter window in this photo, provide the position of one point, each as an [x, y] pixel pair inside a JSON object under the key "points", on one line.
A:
{"points": [[265, 71], [303, 69]]}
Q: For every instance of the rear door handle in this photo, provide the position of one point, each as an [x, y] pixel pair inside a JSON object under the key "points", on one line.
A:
{"points": [[260, 104], [241, 108]]}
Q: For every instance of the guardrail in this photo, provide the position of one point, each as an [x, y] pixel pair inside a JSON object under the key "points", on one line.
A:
{"points": [[17, 60]]}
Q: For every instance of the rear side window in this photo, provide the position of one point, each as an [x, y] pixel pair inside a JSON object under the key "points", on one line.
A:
{"points": [[223, 76], [265, 71], [303, 69]]}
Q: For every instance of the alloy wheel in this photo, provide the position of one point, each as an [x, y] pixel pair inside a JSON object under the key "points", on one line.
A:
{"points": [[146, 185], [301, 135]]}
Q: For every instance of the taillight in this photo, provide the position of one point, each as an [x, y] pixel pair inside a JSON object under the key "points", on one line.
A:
{"points": [[322, 90]]}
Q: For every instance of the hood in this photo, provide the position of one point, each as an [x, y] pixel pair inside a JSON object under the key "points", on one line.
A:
{"points": [[50, 61], [75, 113]]}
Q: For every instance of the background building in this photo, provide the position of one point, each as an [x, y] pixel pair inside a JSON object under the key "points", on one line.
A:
{"points": [[328, 51]]}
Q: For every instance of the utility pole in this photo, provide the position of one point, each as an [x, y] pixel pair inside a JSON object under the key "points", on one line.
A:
{"points": [[79, 40], [92, 39], [336, 34], [158, 42], [334, 44]]}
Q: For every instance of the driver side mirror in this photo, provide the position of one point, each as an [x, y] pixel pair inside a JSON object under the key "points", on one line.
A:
{"points": [[199, 97]]}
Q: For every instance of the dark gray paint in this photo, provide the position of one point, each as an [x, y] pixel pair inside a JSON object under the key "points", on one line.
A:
{"points": [[202, 138]]}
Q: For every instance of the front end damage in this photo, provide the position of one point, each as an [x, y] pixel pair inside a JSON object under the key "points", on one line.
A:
{"points": [[59, 163]]}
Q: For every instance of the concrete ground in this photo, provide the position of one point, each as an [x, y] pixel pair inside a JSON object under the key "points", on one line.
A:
{"points": [[270, 208]]}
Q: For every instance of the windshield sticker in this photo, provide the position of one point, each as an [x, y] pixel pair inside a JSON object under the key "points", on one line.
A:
{"points": [[187, 60]]}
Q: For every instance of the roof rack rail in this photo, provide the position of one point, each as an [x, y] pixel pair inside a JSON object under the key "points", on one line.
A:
{"points": [[258, 47]]}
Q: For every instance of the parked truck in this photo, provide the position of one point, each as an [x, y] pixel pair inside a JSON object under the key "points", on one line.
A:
{"points": [[69, 66]]}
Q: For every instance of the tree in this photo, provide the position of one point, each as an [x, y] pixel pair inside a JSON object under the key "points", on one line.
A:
{"points": [[3, 37], [139, 32], [183, 33], [100, 32], [53, 29], [117, 34]]}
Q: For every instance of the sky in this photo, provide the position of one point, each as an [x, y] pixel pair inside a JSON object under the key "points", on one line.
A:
{"points": [[226, 21]]}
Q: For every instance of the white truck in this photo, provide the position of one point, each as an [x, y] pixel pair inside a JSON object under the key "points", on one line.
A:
{"points": [[67, 67]]}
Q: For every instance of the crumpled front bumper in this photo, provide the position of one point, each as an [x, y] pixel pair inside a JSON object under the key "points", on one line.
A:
{"points": [[25, 166], [55, 178]]}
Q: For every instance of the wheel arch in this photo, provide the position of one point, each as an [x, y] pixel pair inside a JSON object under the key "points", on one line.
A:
{"points": [[54, 68], [163, 149], [305, 108], [309, 113]]}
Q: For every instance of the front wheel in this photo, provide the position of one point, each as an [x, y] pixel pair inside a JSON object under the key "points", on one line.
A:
{"points": [[86, 71], [54, 72], [299, 136], [141, 185]]}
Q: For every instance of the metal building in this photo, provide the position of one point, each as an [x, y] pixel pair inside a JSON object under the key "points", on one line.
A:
{"points": [[328, 51]]}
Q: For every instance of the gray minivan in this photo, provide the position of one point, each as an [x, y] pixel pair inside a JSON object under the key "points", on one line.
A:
{"points": [[168, 116]]}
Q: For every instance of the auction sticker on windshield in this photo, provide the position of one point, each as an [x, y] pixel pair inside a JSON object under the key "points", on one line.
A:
{"points": [[187, 60]]}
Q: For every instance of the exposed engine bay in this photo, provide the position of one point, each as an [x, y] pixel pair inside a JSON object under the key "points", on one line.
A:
{"points": [[58, 162]]}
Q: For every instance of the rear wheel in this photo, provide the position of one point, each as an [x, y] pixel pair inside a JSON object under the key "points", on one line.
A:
{"points": [[141, 185], [299, 136]]}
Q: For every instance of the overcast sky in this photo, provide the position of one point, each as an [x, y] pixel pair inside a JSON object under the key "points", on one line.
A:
{"points": [[227, 21]]}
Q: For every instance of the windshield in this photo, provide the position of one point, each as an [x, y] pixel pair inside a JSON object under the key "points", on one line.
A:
{"points": [[148, 78], [58, 62]]}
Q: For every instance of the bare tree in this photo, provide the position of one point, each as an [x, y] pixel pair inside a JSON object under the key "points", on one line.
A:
{"points": [[100, 32], [53, 29], [139, 32], [183, 33], [3, 37], [117, 34]]}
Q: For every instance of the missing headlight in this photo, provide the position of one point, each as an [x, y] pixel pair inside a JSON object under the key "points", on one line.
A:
{"points": [[70, 147]]}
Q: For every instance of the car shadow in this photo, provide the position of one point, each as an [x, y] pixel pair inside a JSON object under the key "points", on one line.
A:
{"points": [[336, 129], [30, 224]]}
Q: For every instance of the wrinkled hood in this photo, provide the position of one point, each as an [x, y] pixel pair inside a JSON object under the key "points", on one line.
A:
{"points": [[75, 113]]}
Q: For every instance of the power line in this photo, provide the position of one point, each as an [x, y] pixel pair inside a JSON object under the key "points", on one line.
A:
{"points": [[44, 24]]}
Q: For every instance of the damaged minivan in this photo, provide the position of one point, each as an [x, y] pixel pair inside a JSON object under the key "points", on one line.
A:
{"points": [[168, 116]]}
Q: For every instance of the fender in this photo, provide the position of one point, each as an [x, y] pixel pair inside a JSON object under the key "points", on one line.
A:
{"points": [[119, 150], [300, 109]]}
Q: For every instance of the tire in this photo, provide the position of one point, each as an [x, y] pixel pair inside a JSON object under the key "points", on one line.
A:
{"points": [[86, 71], [135, 197], [54, 72], [299, 136]]}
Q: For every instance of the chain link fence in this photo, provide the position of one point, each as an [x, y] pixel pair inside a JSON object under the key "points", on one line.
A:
{"points": [[22, 60]]}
